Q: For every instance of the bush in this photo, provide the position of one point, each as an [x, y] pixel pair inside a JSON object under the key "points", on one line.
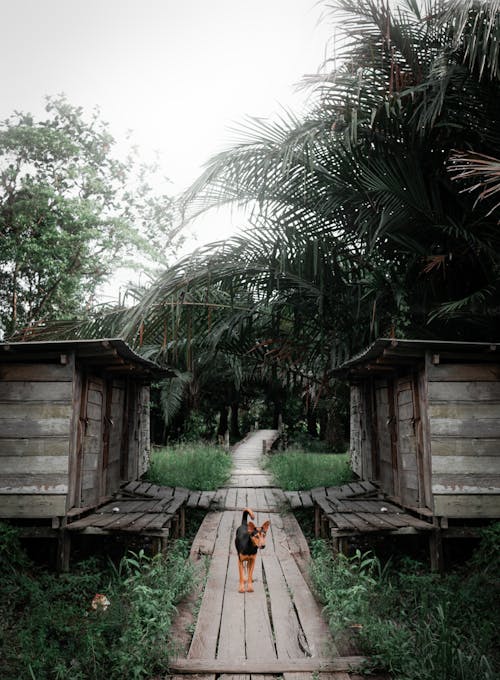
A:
{"points": [[412, 623], [50, 630], [294, 471], [192, 466]]}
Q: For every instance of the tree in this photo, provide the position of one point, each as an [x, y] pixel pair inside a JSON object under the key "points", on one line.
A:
{"points": [[70, 213]]}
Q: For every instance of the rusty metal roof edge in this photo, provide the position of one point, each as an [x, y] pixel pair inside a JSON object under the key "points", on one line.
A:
{"points": [[102, 346], [377, 348]]}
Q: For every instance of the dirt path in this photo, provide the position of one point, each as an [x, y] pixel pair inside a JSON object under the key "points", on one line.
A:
{"points": [[276, 630]]}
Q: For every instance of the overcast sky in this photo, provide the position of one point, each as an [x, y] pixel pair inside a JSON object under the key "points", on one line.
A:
{"points": [[178, 73]]}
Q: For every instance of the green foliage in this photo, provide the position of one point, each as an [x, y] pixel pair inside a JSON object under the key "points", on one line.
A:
{"points": [[70, 214], [412, 623], [49, 629], [294, 471], [189, 465]]}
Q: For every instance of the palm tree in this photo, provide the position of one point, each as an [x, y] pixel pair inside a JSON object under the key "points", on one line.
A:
{"points": [[357, 227]]}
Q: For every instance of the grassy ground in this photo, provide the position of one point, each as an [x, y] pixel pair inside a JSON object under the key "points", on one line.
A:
{"points": [[49, 630], [296, 471], [413, 623], [194, 466]]}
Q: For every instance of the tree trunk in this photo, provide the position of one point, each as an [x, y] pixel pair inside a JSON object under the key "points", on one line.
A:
{"points": [[223, 422], [235, 426]]}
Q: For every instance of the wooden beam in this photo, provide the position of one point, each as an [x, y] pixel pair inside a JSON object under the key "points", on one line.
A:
{"points": [[273, 666]]}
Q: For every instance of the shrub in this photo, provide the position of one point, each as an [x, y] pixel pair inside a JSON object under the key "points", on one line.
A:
{"points": [[412, 623], [294, 471], [199, 466], [50, 630]]}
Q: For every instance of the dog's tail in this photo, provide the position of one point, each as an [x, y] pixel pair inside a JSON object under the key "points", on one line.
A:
{"points": [[247, 512]]}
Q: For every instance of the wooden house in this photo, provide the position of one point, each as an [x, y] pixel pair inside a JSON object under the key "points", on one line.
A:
{"points": [[74, 425], [425, 426]]}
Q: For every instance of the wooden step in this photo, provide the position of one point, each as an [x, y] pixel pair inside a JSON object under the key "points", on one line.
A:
{"points": [[273, 666]]}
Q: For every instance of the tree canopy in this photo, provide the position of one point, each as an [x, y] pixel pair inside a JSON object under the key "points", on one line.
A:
{"points": [[70, 213], [366, 219]]}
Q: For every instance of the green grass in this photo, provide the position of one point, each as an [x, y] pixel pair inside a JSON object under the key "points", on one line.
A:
{"points": [[295, 471], [192, 466], [412, 623], [49, 629]]}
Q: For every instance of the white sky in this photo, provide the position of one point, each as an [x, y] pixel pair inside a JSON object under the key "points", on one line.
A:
{"points": [[178, 73]]}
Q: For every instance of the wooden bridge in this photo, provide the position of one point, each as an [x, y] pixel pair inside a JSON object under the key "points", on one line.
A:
{"points": [[276, 630]]}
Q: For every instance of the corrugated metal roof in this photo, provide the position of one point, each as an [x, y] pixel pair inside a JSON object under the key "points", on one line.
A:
{"points": [[400, 348], [112, 352]]}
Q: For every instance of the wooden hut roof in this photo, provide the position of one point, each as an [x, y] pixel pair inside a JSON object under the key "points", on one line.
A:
{"points": [[111, 355], [386, 355]]}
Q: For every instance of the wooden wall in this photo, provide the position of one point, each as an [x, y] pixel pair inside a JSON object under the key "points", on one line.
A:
{"points": [[464, 425], [35, 428]]}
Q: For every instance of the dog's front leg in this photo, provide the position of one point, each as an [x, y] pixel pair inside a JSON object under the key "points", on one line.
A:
{"points": [[241, 571], [251, 565]]}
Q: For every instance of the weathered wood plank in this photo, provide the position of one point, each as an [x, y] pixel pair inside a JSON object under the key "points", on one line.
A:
{"points": [[285, 622], [10, 427], [463, 372], [309, 613], [463, 465], [26, 505], [465, 427], [232, 629], [50, 446], [36, 373], [204, 541], [272, 667], [204, 642], [34, 410], [258, 631], [458, 446], [464, 391], [465, 410], [27, 391], [467, 505], [466, 484], [34, 484], [34, 465]]}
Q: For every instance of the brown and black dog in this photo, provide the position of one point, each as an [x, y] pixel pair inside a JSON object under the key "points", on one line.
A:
{"points": [[249, 539]]}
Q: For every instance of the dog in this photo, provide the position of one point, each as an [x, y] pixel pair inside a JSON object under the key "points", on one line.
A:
{"points": [[249, 539]]}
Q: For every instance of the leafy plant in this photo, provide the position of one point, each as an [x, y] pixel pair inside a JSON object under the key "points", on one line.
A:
{"points": [[411, 622], [294, 471], [194, 466]]}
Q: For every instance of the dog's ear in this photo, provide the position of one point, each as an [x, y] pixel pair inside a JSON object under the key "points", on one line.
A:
{"points": [[266, 525], [251, 527]]}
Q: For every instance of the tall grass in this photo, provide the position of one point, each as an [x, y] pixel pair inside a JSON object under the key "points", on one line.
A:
{"points": [[294, 471], [190, 465], [49, 629], [412, 623]]}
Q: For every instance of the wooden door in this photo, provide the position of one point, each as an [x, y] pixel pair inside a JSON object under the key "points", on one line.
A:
{"points": [[90, 445], [406, 406], [386, 429]]}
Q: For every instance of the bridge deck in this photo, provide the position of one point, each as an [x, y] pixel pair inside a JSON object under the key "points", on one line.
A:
{"points": [[276, 630]]}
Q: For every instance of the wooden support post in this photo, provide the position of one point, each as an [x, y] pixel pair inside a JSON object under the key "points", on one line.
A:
{"points": [[63, 549], [317, 521], [264, 447], [436, 550], [182, 521]]}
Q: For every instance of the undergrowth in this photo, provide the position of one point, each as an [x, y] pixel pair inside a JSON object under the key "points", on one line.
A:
{"points": [[189, 465], [412, 623], [295, 471], [50, 630]]}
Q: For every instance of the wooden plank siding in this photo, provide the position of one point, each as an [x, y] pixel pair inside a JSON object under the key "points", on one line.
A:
{"points": [[35, 425], [464, 424]]}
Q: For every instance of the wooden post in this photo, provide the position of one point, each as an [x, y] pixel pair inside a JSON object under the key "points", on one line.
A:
{"points": [[436, 550], [264, 447], [63, 549], [317, 521], [182, 522]]}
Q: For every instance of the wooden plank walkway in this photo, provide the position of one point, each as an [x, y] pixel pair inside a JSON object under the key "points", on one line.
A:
{"points": [[276, 630]]}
